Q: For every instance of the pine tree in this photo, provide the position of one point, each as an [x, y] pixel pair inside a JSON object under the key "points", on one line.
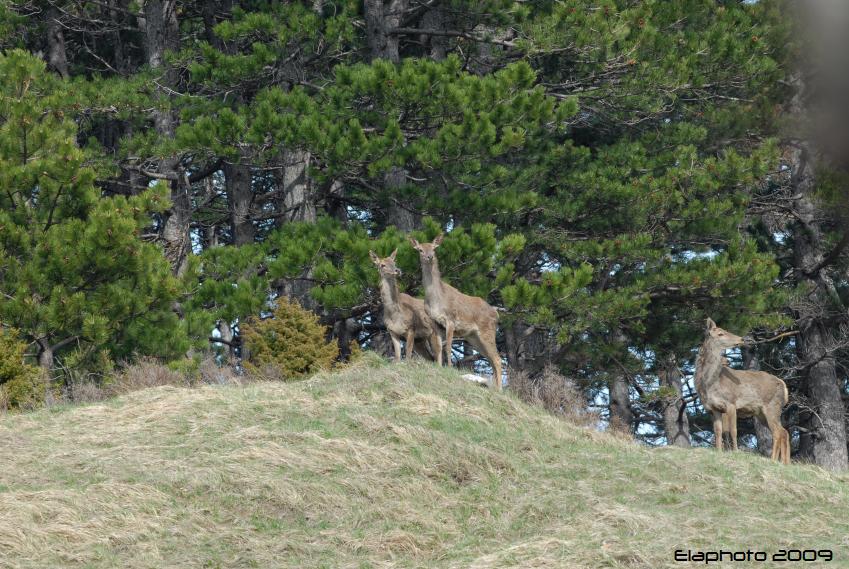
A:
{"points": [[75, 273], [593, 164]]}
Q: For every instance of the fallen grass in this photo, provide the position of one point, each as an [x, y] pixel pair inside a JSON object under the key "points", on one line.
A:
{"points": [[398, 466]]}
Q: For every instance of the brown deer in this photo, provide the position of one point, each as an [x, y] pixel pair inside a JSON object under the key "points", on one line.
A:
{"points": [[404, 316], [729, 393], [463, 316]]}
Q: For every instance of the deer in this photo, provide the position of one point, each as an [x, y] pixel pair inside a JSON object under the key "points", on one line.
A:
{"points": [[462, 316], [405, 316], [729, 393]]}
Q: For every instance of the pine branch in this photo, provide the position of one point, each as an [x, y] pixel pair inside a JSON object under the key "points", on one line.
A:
{"points": [[236, 342], [449, 33], [774, 338], [831, 256]]}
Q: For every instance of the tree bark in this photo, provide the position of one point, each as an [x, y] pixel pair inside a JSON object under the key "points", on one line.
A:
{"points": [[56, 55], [762, 432], [675, 422], [380, 18], [404, 218], [527, 348], [296, 205], [826, 425], [120, 57], [435, 19], [160, 28], [298, 202], [45, 357], [227, 337], [237, 182], [619, 403]]}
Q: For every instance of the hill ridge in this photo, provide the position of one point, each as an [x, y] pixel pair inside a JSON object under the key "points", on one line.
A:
{"points": [[395, 466]]}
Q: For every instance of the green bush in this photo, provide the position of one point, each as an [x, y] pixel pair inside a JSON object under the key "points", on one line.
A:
{"points": [[21, 384], [290, 345]]}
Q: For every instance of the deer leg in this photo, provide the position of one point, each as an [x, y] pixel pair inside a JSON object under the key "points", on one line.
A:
{"points": [[396, 343], [731, 413], [717, 429], [486, 346], [411, 342], [449, 340], [436, 347], [780, 441], [726, 429], [777, 443], [784, 448]]}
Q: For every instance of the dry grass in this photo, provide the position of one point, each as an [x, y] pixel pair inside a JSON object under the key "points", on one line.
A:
{"points": [[400, 466], [144, 374], [555, 393]]}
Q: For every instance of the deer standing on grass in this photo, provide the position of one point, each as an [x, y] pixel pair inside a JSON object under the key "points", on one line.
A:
{"points": [[463, 316], [728, 393], [405, 317]]}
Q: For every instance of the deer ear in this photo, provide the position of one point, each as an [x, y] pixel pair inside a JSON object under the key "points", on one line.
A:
{"points": [[414, 243], [438, 241], [395, 252], [711, 324], [374, 258]]}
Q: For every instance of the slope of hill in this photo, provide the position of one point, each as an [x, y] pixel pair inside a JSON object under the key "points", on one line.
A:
{"points": [[397, 466]]}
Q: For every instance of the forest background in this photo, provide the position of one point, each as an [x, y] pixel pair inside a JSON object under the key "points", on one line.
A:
{"points": [[609, 173]]}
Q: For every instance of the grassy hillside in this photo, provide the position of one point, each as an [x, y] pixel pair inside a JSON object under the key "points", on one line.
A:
{"points": [[399, 466]]}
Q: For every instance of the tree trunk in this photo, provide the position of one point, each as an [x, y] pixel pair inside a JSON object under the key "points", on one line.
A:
{"points": [[56, 55], [401, 216], [161, 34], [227, 337], [619, 402], [237, 181], [298, 202], [826, 426], [762, 432], [297, 205], [117, 41], [435, 19], [381, 18], [675, 421], [45, 357], [527, 348]]}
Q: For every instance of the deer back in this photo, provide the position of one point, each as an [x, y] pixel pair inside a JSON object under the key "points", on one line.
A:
{"points": [[752, 391], [469, 313]]}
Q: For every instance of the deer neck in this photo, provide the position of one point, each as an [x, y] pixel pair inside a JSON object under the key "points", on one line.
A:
{"points": [[708, 366], [432, 281], [389, 292]]}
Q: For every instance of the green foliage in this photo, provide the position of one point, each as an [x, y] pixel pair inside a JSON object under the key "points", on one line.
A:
{"points": [[292, 343], [73, 267], [591, 165], [22, 385]]}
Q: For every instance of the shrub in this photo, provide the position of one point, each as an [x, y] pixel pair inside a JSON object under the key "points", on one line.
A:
{"points": [[22, 385], [211, 373], [146, 372], [554, 392], [290, 345]]}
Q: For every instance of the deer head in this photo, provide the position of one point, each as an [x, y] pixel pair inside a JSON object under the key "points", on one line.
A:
{"points": [[723, 338], [427, 251], [386, 266]]}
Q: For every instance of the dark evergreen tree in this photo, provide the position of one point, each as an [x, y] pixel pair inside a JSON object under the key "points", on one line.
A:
{"points": [[75, 273]]}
